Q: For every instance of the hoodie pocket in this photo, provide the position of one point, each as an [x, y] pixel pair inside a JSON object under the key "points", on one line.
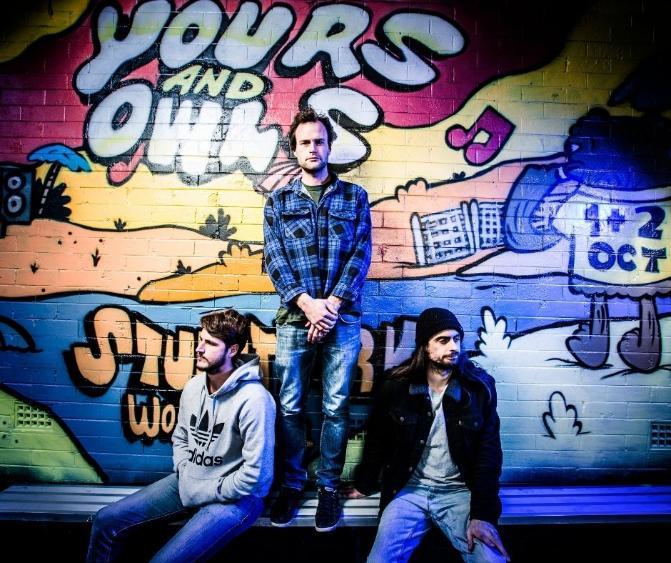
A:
{"points": [[195, 488]]}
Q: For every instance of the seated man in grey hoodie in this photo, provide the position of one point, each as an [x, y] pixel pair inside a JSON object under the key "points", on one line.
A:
{"points": [[223, 447]]}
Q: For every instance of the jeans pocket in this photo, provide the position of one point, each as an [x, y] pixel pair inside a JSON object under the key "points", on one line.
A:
{"points": [[349, 318]]}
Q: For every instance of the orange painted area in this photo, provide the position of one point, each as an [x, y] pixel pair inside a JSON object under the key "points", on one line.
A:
{"points": [[240, 272], [174, 264], [49, 257]]}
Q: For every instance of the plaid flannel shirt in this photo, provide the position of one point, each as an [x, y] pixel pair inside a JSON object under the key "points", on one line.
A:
{"points": [[320, 250]]}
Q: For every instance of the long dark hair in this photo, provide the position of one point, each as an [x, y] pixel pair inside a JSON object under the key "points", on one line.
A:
{"points": [[414, 368]]}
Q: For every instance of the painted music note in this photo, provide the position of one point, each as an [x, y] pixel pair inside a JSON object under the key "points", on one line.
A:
{"points": [[492, 124]]}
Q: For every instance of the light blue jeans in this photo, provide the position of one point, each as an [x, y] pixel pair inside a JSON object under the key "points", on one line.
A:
{"points": [[294, 362], [409, 516], [209, 529]]}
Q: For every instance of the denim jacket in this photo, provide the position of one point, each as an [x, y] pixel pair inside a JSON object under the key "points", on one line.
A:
{"points": [[322, 249], [399, 426]]}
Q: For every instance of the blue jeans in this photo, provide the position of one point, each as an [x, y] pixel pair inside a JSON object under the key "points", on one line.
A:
{"points": [[294, 361], [209, 528], [408, 517]]}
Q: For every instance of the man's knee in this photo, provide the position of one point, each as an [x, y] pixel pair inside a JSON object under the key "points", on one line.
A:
{"points": [[292, 412], [106, 522], [337, 412], [335, 406]]}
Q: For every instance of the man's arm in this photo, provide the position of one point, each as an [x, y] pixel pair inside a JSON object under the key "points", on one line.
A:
{"points": [[286, 283], [377, 445], [289, 287], [485, 501], [257, 430], [180, 439], [356, 267]]}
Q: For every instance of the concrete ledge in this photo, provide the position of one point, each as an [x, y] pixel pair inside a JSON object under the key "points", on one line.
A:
{"points": [[522, 505]]}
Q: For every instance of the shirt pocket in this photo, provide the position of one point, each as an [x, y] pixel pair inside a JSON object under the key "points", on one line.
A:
{"points": [[403, 418], [341, 224], [298, 224], [470, 422]]}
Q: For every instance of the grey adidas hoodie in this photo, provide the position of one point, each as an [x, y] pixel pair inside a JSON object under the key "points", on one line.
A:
{"points": [[223, 442]]}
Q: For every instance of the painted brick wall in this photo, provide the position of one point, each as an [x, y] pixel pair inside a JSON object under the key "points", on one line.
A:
{"points": [[516, 162]]}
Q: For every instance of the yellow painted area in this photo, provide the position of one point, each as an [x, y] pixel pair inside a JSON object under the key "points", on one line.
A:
{"points": [[174, 264], [542, 104], [162, 199], [29, 20]]}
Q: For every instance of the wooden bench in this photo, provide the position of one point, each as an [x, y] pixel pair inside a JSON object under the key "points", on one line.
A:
{"points": [[522, 505]]}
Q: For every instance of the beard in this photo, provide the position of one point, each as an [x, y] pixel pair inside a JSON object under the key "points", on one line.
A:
{"points": [[444, 363], [213, 367]]}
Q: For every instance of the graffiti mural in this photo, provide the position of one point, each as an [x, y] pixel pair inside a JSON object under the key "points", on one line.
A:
{"points": [[516, 165]]}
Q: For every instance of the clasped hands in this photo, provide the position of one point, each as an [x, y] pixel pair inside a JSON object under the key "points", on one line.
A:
{"points": [[322, 315]]}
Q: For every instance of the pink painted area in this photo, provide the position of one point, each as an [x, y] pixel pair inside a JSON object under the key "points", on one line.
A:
{"points": [[121, 171], [490, 122], [498, 43]]}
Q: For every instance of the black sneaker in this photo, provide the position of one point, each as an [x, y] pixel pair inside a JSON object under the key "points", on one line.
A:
{"points": [[285, 507], [328, 510]]}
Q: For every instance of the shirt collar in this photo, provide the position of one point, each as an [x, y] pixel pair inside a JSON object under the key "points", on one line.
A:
{"points": [[453, 390], [296, 185]]}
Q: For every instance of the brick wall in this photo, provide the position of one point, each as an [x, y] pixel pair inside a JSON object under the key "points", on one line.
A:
{"points": [[516, 165]]}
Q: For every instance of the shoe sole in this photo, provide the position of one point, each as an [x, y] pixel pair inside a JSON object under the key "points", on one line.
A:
{"points": [[329, 529], [280, 524]]}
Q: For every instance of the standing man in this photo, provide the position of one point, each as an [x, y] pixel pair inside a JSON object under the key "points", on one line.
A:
{"points": [[317, 233], [435, 431], [223, 447]]}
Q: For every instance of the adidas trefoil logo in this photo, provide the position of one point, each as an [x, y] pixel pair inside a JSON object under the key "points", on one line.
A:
{"points": [[201, 430]]}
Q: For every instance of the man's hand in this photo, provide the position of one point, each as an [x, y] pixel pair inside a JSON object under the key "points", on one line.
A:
{"points": [[487, 534], [350, 492], [315, 334], [336, 302], [320, 312]]}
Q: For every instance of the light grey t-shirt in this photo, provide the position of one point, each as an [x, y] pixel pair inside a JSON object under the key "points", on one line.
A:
{"points": [[436, 468]]}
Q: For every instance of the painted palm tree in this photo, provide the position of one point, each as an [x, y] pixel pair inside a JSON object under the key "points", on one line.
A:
{"points": [[58, 155]]}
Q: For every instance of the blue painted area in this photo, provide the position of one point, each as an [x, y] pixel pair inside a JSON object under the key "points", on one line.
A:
{"points": [[94, 421]]}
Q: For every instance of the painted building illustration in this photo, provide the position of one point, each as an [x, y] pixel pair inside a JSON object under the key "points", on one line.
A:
{"points": [[457, 233]]}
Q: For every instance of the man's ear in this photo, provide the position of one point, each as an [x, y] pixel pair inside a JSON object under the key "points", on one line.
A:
{"points": [[233, 350]]}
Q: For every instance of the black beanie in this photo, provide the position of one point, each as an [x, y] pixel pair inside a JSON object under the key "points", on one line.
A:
{"points": [[435, 320]]}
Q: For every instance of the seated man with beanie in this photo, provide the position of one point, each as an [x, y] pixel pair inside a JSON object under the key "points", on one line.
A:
{"points": [[434, 435]]}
